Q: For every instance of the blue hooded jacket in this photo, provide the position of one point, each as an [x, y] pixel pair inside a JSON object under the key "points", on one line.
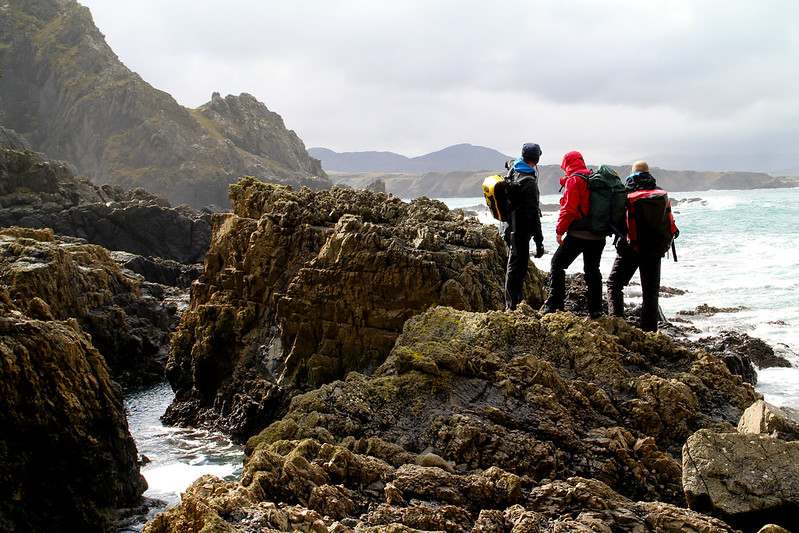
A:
{"points": [[520, 166]]}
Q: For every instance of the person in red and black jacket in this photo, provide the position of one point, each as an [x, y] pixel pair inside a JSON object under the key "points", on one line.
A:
{"points": [[636, 253], [574, 205]]}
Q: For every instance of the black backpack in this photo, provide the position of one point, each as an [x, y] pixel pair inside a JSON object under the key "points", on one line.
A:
{"points": [[649, 223]]}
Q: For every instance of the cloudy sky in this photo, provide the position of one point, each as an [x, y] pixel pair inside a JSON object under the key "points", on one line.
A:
{"points": [[687, 84]]}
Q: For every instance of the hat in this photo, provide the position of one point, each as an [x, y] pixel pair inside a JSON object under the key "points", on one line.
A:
{"points": [[531, 152]]}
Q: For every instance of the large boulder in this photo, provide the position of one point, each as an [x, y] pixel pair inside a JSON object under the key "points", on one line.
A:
{"points": [[763, 418], [302, 287], [67, 460], [749, 480], [485, 421]]}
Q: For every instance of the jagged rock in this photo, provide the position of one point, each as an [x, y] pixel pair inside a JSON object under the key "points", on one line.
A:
{"points": [[748, 480], [68, 93], [42, 194], [553, 423], [300, 288], [764, 418], [129, 321], [757, 351], [66, 457]]}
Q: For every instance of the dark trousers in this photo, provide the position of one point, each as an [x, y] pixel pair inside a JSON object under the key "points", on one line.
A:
{"points": [[624, 268], [563, 257], [516, 271]]}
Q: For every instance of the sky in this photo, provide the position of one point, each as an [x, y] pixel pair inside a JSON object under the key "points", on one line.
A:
{"points": [[685, 84]]}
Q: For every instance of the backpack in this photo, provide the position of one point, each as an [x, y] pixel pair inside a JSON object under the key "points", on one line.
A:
{"points": [[497, 195], [606, 200], [649, 222], [504, 195]]}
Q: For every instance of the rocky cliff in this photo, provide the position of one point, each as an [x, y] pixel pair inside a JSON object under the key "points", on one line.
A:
{"points": [[67, 460], [301, 287], [65, 90]]}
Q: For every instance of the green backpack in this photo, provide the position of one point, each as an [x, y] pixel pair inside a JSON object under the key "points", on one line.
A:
{"points": [[606, 203]]}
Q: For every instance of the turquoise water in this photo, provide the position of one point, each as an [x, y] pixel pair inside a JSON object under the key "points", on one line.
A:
{"points": [[736, 249]]}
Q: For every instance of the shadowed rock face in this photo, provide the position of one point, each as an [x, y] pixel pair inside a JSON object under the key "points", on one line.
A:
{"points": [[486, 421], [38, 193], [300, 288], [67, 459]]}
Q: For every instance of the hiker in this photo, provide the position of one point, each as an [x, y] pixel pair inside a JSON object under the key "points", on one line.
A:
{"points": [[640, 250], [574, 205], [524, 223]]}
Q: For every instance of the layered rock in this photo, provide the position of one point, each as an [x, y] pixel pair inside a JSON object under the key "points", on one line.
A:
{"points": [[67, 92], [485, 421], [300, 288], [67, 460], [129, 321]]}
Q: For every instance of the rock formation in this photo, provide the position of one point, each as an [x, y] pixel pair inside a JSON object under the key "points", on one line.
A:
{"points": [[66, 91], [299, 288], [129, 321], [38, 193], [485, 421], [67, 460]]}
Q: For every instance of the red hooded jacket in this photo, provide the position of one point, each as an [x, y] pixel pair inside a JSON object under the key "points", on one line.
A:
{"points": [[574, 202]]}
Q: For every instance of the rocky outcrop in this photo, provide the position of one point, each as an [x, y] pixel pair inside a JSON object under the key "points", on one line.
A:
{"points": [[67, 460], [66, 91], [302, 287], [37, 193], [485, 421], [748, 479], [129, 320]]}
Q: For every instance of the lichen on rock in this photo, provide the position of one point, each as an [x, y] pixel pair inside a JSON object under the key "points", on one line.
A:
{"points": [[532, 420]]}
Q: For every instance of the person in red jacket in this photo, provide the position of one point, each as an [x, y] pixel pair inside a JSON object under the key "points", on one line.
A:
{"points": [[574, 206]]}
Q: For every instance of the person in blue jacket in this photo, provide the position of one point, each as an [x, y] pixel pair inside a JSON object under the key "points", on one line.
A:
{"points": [[524, 223]]}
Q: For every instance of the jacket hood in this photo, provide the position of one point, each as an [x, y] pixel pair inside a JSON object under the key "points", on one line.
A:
{"points": [[573, 163], [520, 166]]}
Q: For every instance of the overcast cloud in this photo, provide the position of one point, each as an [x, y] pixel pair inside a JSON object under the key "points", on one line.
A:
{"points": [[687, 84]]}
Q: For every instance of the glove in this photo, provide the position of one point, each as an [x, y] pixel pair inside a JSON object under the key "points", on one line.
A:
{"points": [[539, 250], [622, 247]]}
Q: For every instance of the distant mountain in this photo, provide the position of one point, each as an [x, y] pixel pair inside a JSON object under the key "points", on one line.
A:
{"points": [[66, 92], [457, 157]]}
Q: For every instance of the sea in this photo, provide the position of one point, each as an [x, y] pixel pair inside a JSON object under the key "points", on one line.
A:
{"points": [[738, 251]]}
